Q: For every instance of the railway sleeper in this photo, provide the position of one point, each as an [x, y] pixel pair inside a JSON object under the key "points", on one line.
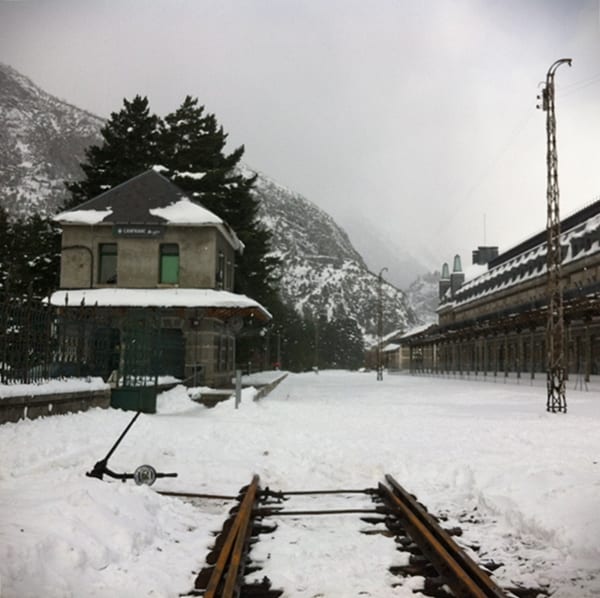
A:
{"points": [[262, 528], [433, 585], [436, 587], [424, 569], [262, 589], [381, 531], [523, 592]]}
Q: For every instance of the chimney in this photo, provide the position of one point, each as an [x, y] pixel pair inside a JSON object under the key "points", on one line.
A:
{"points": [[457, 277], [484, 255], [444, 284]]}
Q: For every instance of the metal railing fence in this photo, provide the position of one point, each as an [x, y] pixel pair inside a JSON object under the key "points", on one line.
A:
{"points": [[39, 342]]}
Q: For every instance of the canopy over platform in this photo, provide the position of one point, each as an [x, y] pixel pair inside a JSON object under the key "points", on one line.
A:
{"points": [[219, 302]]}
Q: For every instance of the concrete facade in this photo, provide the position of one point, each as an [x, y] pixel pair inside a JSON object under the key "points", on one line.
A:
{"points": [[138, 259]]}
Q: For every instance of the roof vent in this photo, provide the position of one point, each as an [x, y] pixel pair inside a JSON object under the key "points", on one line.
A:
{"points": [[483, 255]]}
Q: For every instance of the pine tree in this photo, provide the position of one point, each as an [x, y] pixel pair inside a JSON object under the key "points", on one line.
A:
{"points": [[340, 344], [190, 139], [40, 255], [5, 248], [191, 144], [30, 251], [129, 148]]}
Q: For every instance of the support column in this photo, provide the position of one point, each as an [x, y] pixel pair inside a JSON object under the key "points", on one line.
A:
{"points": [[532, 352], [519, 353], [496, 343], [506, 356], [486, 356], [587, 349]]}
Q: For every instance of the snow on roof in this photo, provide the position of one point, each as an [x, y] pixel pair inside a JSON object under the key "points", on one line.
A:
{"points": [[187, 212], [83, 216], [583, 240], [173, 297], [391, 335], [391, 347], [148, 198], [416, 330], [474, 270], [190, 175]]}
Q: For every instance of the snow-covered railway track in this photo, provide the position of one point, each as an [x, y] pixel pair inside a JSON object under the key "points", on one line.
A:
{"points": [[430, 558]]}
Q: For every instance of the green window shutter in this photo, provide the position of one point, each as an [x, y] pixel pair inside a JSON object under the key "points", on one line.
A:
{"points": [[169, 263]]}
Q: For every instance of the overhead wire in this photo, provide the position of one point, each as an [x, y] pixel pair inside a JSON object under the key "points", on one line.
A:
{"points": [[515, 133], [566, 90]]}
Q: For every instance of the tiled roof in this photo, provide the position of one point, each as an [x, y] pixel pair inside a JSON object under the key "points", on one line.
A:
{"points": [[133, 200], [148, 198]]}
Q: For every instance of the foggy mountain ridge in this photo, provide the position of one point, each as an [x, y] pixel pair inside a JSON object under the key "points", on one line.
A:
{"points": [[43, 140], [321, 271], [381, 248]]}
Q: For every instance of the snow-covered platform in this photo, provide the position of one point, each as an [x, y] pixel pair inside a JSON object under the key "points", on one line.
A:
{"points": [[55, 397]]}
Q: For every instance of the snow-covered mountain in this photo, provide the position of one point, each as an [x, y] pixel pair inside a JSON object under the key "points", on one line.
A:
{"points": [[42, 141], [321, 272], [423, 296]]}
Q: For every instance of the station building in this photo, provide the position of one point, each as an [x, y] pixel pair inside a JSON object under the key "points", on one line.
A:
{"points": [[492, 316], [155, 267]]}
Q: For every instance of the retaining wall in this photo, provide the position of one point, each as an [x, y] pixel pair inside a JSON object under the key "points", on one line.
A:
{"points": [[13, 409], [263, 391]]}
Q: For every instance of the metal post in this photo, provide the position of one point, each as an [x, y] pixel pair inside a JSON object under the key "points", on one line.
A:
{"points": [[238, 388], [279, 350], [380, 326], [316, 366], [555, 372]]}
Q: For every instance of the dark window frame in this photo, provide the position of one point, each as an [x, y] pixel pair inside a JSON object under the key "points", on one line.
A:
{"points": [[108, 274]]}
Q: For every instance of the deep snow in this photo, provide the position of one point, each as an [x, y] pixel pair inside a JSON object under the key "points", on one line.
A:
{"points": [[524, 485]]}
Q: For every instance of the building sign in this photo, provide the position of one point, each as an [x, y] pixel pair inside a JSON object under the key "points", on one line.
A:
{"points": [[147, 231]]}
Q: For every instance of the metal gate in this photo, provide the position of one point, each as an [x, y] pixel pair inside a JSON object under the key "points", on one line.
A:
{"points": [[137, 375]]}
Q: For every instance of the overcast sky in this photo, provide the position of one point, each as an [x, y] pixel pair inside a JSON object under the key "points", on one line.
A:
{"points": [[414, 118]]}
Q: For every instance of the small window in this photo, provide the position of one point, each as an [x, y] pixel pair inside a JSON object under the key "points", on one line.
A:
{"points": [[169, 263], [221, 270], [229, 275], [107, 264]]}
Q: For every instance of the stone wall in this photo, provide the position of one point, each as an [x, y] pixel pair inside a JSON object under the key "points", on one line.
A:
{"points": [[13, 409]]}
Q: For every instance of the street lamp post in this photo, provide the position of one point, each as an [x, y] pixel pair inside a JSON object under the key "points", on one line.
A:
{"points": [[380, 324]]}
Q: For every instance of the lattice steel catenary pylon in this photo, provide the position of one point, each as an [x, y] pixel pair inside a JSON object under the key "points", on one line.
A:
{"points": [[555, 328]]}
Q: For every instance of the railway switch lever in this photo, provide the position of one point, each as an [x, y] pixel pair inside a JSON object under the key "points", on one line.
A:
{"points": [[144, 474]]}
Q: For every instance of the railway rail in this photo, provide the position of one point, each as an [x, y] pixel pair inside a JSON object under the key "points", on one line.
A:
{"points": [[446, 567]]}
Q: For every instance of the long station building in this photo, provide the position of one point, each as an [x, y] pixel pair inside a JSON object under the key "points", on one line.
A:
{"points": [[492, 320]]}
